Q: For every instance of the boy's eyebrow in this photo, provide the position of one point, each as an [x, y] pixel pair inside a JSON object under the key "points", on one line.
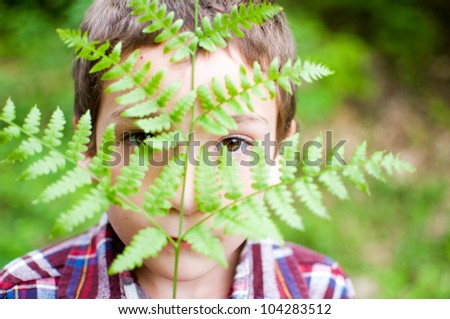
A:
{"points": [[250, 118]]}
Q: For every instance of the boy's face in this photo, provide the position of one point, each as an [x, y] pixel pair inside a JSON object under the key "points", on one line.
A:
{"points": [[252, 126]]}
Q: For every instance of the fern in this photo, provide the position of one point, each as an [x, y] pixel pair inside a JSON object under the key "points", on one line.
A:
{"points": [[67, 184], [206, 185], [204, 242], [157, 197], [280, 200], [224, 26], [92, 205], [147, 243], [229, 176]]}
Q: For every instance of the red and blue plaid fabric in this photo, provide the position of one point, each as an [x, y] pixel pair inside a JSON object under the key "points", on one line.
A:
{"points": [[77, 268]]}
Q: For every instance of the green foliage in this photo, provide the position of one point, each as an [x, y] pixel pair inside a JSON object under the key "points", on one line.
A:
{"points": [[147, 243], [204, 242]]}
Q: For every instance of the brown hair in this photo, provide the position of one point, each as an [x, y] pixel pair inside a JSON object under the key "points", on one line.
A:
{"points": [[110, 20]]}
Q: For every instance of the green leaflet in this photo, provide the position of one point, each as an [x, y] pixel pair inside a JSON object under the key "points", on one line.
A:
{"points": [[281, 202], [54, 131], [311, 71], [141, 110], [288, 160], [77, 146], [206, 183], [9, 111], [26, 149], [67, 184], [333, 183], [156, 199], [44, 166], [259, 167], [165, 141], [146, 243], [168, 93], [100, 165], [9, 133], [314, 156], [210, 125], [182, 106], [250, 219], [391, 163], [93, 204], [32, 121], [161, 21], [154, 124], [214, 35], [204, 242], [130, 179], [230, 177], [310, 195]]}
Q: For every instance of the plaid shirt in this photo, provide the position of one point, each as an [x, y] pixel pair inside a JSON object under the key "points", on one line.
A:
{"points": [[77, 268]]}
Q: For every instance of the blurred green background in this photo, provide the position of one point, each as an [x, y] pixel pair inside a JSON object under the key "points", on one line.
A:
{"points": [[391, 88]]}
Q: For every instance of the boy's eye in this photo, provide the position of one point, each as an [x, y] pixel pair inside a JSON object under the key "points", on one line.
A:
{"points": [[234, 144], [137, 138]]}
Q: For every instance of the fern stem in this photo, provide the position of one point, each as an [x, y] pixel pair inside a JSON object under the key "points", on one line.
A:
{"points": [[191, 129]]}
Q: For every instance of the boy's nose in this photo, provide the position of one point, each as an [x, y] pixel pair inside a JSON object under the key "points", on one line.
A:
{"points": [[188, 202]]}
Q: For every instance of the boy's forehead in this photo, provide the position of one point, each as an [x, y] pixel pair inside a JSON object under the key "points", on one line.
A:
{"points": [[218, 65]]}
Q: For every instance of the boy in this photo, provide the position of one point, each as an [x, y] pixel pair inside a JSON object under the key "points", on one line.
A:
{"points": [[77, 267]]}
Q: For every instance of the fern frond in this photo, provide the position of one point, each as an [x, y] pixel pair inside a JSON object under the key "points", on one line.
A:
{"points": [[312, 71], [288, 160], [229, 175], [213, 35], [51, 163], [211, 125], [155, 124], [156, 199], [373, 166], [8, 111], [32, 121], [391, 163], [168, 93], [182, 106], [77, 146], [310, 195], [163, 22], [141, 110], [281, 202], [67, 184], [250, 219], [93, 204], [148, 242], [130, 179], [314, 156], [54, 131], [100, 163], [356, 176], [165, 140], [206, 184], [260, 169], [204, 242], [27, 148], [9, 133], [353, 171], [334, 184]]}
